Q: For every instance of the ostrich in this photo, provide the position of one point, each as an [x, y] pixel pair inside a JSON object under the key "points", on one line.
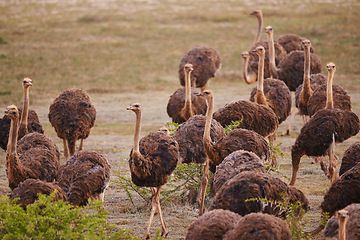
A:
{"points": [[72, 115], [85, 175], [259, 226], [28, 190], [189, 136], [319, 135], [271, 92], [152, 160], [212, 225], [258, 14], [343, 192], [33, 156], [206, 62], [340, 98], [185, 102], [351, 157], [29, 120], [236, 162], [234, 193], [345, 224]]}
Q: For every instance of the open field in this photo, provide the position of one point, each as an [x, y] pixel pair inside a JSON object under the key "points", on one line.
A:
{"points": [[128, 51]]}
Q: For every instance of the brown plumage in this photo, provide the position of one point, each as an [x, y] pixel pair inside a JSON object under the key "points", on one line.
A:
{"points": [[271, 92], [253, 116], [340, 98], [85, 175], [292, 42], [345, 225], [29, 120], [33, 156], [259, 226], [236, 162], [152, 160], [27, 191], [351, 157], [319, 135], [234, 193], [206, 62], [212, 225], [72, 115], [185, 102], [343, 192]]}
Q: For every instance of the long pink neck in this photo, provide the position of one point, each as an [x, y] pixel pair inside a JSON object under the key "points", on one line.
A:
{"points": [[25, 110], [260, 26], [187, 110], [306, 82], [329, 90], [137, 131], [208, 145], [271, 53], [342, 228], [260, 96], [13, 135], [249, 78]]}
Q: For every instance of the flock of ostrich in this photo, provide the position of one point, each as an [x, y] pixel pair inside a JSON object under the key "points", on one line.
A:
{"points": [[236, 158]]}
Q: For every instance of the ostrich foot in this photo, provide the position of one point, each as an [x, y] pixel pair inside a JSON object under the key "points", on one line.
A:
{"points": [[164, 232], [146, 236], [286, 132]]}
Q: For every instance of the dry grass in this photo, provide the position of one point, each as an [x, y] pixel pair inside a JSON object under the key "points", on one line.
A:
{"points": [[128, 51]]}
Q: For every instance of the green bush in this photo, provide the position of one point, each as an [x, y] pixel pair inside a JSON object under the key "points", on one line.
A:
{"points": [[45, 219]]}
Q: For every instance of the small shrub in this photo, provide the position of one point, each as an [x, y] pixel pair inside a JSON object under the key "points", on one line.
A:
{"points": [[232, 126], [172, 127]]}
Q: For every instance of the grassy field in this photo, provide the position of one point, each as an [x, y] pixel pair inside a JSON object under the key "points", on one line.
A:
{"points": [[128, 51]]}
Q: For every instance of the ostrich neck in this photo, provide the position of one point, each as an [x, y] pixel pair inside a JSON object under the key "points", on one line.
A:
{"points": [[260, 26], [260, 97], [188, 104], [13, 135], [271, 53], [248, 79], [25, 110], [137, 132], [306, 82], [209, 113], [329, 91], [342, 231]]}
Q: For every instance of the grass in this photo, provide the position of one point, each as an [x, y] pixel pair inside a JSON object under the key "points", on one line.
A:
{"points": [[128, 51]]}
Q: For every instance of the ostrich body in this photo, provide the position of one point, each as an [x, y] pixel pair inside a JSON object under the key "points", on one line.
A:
{"points": [[319, 135], [212, 225], [351, 157], [27, 191], [292, 42], [185, 102], [253, 116], [259, 226], [236, 162], [339, 97], [34, 156], [245, 185], [85, 175], [345, 225], [72, 115], [343, 192], [271, 92], [29, 120], [206, 62], [152, 160]]}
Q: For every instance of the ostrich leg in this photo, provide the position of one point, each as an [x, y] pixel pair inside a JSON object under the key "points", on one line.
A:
{"points": [[204, 182]]}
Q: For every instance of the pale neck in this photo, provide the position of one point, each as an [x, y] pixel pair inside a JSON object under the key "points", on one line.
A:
{"points": [[260, 26], [245, 70], [329, 90], [25, 110], [187, 91], [342, 230], [209, 113], [260, 82], [306, 83], [137, 131], [13, 135], [271, 52]]}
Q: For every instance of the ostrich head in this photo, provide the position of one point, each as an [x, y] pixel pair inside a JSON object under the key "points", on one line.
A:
{"points": [[27, 82], [245, 55], [306, 43], [164, 130], [207, 94], [269, 30], [260, 50], [135, 107], [188, 67], [12, 112], [331, 67], [342, 214], [257, 13]]}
